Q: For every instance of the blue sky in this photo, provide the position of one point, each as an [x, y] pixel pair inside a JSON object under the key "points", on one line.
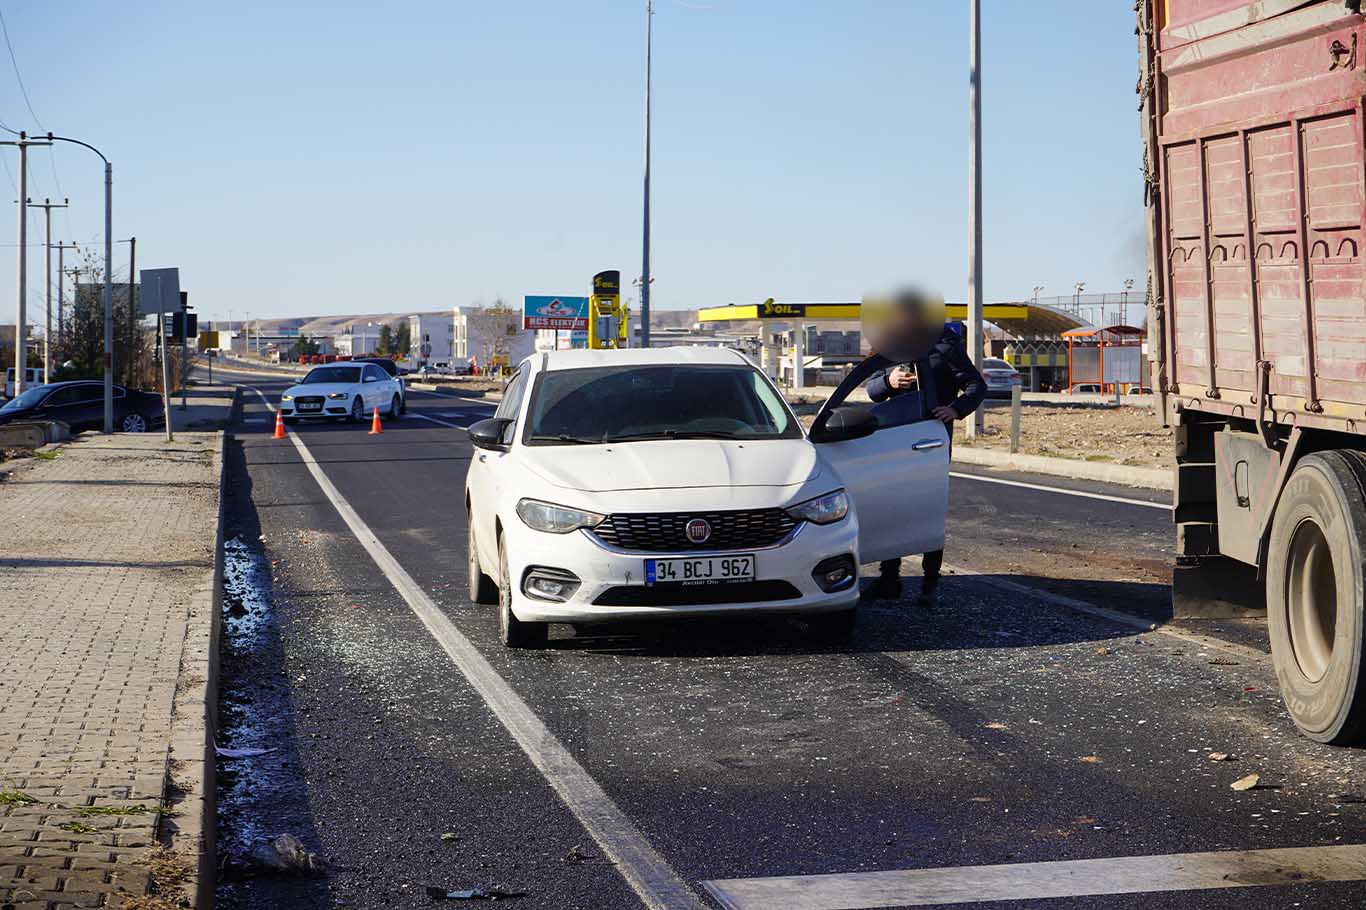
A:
{"points": [[310, 157]]}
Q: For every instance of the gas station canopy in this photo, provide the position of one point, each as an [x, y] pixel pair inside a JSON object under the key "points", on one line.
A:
{"points": [[1022, 320]]}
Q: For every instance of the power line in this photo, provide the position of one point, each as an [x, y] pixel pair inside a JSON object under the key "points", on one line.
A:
{"points": [[12, 59]]}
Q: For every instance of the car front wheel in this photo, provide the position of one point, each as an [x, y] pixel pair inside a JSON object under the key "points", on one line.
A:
{"points": [[512, 631], [395, 407], [357, 410], [134, 423]]}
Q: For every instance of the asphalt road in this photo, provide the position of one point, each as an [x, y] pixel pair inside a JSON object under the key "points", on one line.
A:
{"points": [[1000, 729]]}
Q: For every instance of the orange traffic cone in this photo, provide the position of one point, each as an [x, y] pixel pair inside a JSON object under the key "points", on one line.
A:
{"points": [[279, 426], [375, 428]]}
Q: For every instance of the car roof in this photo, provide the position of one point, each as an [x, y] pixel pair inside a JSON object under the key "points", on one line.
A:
{"points": [[689, 354]]}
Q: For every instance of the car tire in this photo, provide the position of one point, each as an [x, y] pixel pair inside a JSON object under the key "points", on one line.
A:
{"points": [[133, 422], [833, 626], [357, 410], [403, 404], [483, 590], [1316, 596], [512, 631], [395, 408]]}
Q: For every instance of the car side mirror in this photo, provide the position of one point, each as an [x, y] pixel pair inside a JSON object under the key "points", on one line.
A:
{"points": [[488, 433], [845, 423]]}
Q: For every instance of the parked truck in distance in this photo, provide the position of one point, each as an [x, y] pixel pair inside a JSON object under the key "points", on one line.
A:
{"points": [[1252, 126]]}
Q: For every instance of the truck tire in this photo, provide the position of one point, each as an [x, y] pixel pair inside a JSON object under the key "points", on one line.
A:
{"points": [[1316, 594]]}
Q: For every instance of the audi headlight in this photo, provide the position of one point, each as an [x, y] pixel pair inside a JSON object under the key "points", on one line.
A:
{"points": [[338, 394], [286, 397], [823, 510], [553, 519]]}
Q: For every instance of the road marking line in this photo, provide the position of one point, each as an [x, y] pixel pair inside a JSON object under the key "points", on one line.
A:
{"points": [[454, 426], [1115, 616], [1041, 881], [1047, 489], [648, 873]]}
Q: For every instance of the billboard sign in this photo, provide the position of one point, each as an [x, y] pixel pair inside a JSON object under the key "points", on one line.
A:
{"points": [[159, 290], [555, 313]]}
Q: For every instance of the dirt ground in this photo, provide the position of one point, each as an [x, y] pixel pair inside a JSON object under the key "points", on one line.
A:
{"points": [[1129, 435]]}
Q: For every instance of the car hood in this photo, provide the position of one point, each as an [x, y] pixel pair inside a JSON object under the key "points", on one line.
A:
{"points": [[322, 388], [675, 464]]}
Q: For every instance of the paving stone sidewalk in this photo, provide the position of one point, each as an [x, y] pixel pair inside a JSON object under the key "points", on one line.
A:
{"points": [[105, 566]]}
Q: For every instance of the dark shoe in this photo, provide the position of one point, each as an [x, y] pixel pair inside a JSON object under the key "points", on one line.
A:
{"points": [[929, 595], [887, 587]]}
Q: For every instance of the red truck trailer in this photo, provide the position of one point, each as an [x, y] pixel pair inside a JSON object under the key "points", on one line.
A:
{"points": [[1252, 116]]}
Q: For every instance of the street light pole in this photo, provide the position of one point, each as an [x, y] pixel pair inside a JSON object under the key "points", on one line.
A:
{"points": [[21, 302], [645, 232], [974, 424]]}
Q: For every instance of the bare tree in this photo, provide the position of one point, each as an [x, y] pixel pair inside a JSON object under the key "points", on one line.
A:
{"points": [[492, 330]]}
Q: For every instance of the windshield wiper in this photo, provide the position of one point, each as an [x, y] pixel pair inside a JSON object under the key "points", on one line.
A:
{"points": [[676, 434], [567, 439]]}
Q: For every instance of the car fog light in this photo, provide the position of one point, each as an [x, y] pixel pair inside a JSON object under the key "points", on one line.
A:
{"points": [[554, 585], [835, 574]]}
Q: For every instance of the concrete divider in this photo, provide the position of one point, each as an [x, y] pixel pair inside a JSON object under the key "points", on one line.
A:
{"points": [[30, 434], [1102, 472]]}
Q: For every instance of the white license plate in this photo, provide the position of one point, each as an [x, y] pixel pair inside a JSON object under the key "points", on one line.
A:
{"points": [[706, 570], [310, 407]]}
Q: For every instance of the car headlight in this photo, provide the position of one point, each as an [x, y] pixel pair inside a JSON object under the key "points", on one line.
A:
{"points": [[338, 395], [823, 510], [286, 397], [553, 519]]}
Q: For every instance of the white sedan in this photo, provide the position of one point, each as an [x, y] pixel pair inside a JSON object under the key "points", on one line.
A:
{"points": [[348, 390], [647, 482]]}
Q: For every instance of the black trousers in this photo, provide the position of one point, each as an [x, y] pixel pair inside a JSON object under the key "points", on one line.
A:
{"points": [[931, 564]]}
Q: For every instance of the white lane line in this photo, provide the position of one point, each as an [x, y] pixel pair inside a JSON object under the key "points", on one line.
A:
{"points": [[648, 873], [444, 423], [1047, 489], [1124, 619], [1041, 881]]}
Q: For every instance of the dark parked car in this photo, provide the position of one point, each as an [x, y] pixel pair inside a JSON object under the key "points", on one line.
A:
{"points": [[387, 365], [80, 405]]}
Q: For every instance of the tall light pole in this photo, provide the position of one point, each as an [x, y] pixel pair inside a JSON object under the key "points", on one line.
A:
{"points": [[1076, 299], [47, 205], [974, 424], [108, 276], [1124, 301], [1037, 289], [61, 288], [645, 231]]}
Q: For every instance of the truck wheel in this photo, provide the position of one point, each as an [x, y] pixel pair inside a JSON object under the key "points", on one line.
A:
{"points": [[1315, 593]]}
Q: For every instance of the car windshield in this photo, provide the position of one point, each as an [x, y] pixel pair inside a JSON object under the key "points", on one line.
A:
{"points": [[619, 404], [28, 399], [332, 374]]}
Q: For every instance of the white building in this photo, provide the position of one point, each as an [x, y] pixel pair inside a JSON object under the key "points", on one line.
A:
{"points": [[478, 337], [433, 338], [358, 340]]}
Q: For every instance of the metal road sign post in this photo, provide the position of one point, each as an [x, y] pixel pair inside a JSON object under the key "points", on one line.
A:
{"points": [[161, 295]]}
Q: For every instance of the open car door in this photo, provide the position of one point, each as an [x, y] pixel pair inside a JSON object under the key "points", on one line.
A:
{"points": [[893, 457]]}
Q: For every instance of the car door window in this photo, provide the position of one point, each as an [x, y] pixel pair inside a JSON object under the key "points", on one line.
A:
{"points": [[911, 406], [511, 405]]}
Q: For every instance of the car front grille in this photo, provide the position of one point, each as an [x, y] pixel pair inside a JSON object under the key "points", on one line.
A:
{"points": [[308, 399], [697, 595], [665, 532]]}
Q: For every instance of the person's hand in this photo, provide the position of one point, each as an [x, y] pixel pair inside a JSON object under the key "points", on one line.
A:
{"points": [[946, 414], [901, 379]]}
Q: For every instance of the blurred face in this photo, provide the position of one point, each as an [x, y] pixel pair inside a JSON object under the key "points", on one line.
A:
{"points": [[903, 326]]}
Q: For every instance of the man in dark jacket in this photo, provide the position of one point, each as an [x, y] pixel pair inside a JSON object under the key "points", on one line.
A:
{"points": [[958, 391]]}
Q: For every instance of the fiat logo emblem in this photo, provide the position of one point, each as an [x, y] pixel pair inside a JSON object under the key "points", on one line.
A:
{"points": [[698, 530]]}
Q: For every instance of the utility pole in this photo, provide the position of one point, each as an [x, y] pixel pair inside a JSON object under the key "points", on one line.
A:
{"points": [[21, 300], [47, 206], [132, 285], [974, 424], [61, 288], [645, 238]]}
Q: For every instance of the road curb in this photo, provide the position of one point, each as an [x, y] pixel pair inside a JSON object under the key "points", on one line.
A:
{"points": [[1125, 475], [190, 780]]}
